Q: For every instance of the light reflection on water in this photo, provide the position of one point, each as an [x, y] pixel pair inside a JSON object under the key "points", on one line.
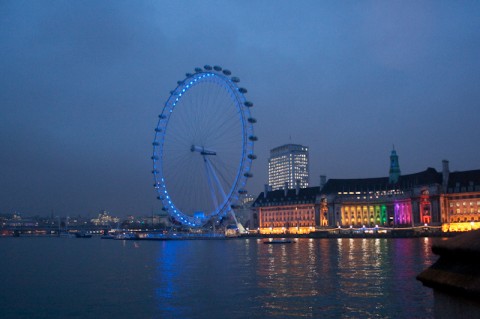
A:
{"points": [[244, 278], [328, 278]]}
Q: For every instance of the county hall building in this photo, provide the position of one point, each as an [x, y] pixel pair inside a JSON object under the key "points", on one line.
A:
{"points": [[447, 199]]}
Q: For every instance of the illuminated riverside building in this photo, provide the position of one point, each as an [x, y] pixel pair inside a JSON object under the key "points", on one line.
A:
{"points": [[393, 201], [450, 200], [413, 200], [287, 211], [461, 201], [288, 164], [447, 199]]}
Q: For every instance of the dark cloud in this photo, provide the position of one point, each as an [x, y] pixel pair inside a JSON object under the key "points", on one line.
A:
{"points": [[83, 82]]}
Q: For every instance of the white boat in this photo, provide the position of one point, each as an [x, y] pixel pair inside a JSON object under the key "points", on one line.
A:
{"points": [[125, 236]]}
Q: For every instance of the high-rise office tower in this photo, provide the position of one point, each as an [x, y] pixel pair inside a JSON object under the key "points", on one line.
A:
{"points": [[288, 164]]}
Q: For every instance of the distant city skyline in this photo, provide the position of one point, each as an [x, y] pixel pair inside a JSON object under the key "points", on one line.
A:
{"points": [[83, 83]]}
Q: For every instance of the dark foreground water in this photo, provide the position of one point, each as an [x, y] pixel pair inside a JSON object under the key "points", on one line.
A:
{"points": [[240, 278]]}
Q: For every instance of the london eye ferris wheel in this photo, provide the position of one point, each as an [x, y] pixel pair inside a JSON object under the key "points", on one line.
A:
{"points": [[203, 147]]}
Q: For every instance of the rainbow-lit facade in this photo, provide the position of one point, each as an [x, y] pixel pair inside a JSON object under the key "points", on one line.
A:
{"points": [[375, 202], [450, 200]]}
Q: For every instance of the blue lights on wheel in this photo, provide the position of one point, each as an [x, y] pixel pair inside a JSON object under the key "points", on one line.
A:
{"points": [[224, 86]]}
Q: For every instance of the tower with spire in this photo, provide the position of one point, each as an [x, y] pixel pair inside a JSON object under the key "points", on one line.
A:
{"points": [[394, 167]]}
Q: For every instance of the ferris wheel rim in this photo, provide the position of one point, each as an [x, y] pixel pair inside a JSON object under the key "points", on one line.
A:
{"points": [[244, 165]]}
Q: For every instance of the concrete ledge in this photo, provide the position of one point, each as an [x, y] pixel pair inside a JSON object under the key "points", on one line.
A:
{"points": [[457, 271]]}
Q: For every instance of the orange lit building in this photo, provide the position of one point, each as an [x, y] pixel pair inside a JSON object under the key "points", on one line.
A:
{"points": [[461, 202], [288, 211]]}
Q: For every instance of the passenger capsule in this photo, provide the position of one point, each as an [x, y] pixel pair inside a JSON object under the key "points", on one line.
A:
{"points": [[155, 143], [198, 70], [248, 104], [252, 120], [154, 171], [179, 82], [242, 90], [164, 209], [242, 191], [217, 68], [253, 138], [235, 79], [154, 157], [207, 67], [252, 156], [162, 116], [247, 174], [158, 130], [188, 75], [227, 72]]}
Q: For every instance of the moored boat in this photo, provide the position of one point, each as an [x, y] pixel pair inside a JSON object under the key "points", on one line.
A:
{"points": [[125, 236], [278, 241], [83, 235]]}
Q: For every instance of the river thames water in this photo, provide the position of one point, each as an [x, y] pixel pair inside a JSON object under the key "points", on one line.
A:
{"points": [[42, 277]]}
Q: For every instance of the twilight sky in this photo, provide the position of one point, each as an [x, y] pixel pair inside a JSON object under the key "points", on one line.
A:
{"points": [[82, 83]]}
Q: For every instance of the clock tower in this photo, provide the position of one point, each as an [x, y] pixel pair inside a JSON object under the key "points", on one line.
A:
{"points": [[394, 167]]}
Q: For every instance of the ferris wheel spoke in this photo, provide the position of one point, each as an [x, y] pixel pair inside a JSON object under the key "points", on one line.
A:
{"points": [[231, 135], [220, 118], [223, 171], [210, 173], [215, 132], [209, 123]]}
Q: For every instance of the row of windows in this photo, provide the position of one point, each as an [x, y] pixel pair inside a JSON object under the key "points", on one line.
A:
{"points": [[454, 197], [279, 168], [463, 204], [274, 203], [287, 218], [291, 225], [359, 211], [285, 208], [377, 193], [283, 212], [360, 215], [276, 177], [465, 211], [358, 220], [464, 219], [287, 173]]}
